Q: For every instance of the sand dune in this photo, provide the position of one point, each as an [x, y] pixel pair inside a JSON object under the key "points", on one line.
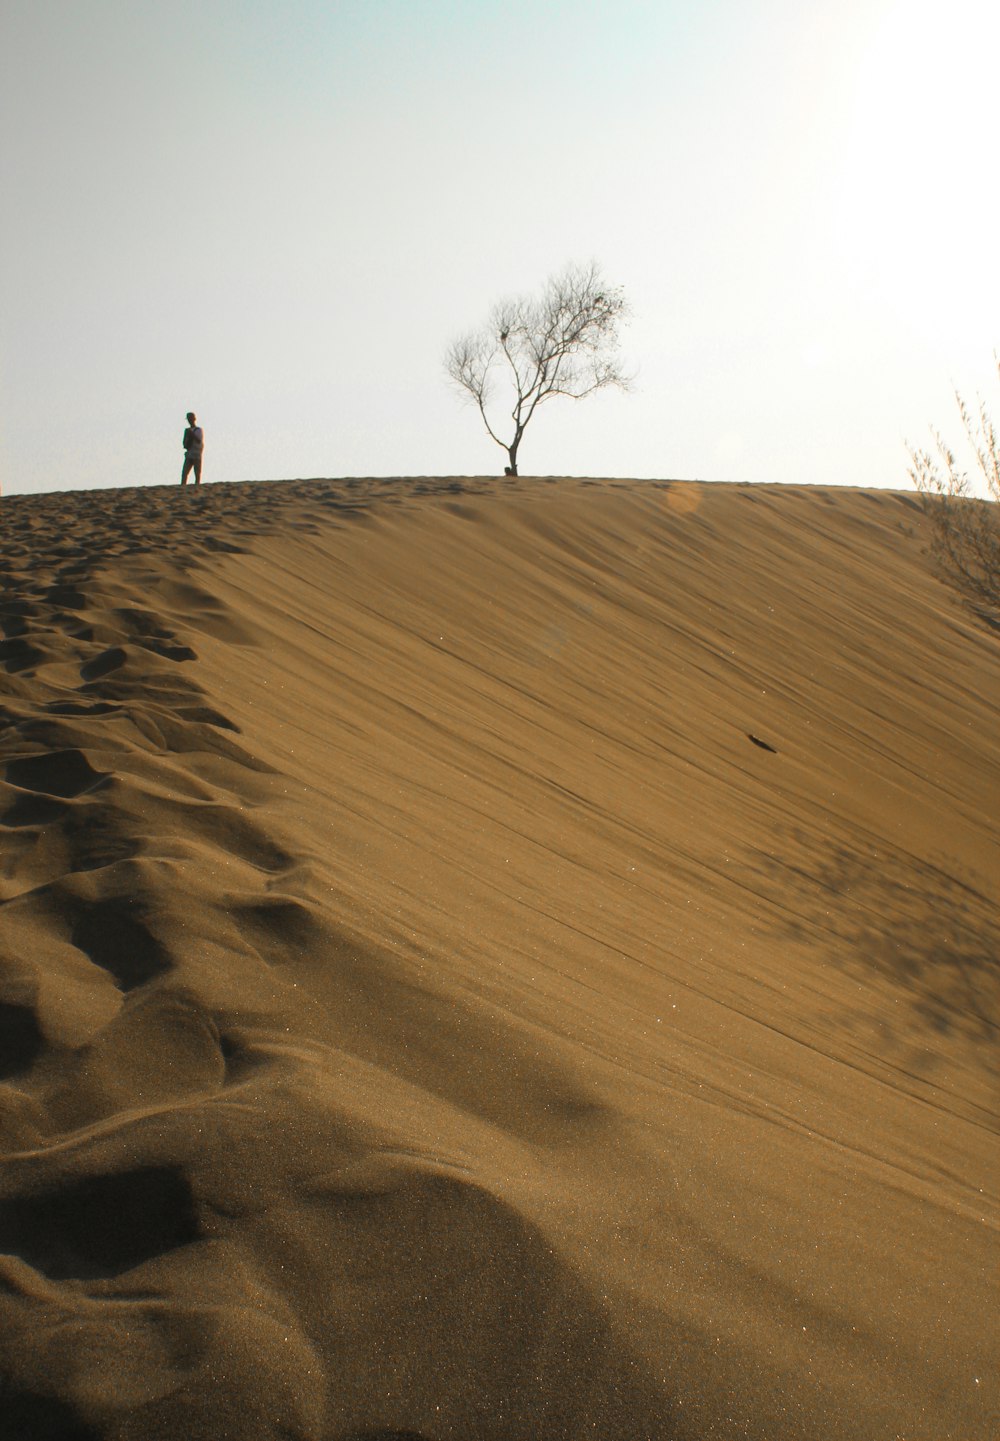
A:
{"points": [[495, 960]]}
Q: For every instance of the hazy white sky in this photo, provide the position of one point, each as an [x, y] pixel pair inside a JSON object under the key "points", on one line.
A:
{"points": [[279, 214]]}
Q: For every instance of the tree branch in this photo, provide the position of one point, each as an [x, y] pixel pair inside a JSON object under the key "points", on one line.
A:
{"points": [[564, 343]]}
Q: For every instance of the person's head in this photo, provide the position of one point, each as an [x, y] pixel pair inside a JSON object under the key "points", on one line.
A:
{"points": [[191, 417]]}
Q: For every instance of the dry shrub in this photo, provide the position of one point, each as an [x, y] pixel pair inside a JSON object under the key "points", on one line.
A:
{"points": [[966, 524]]}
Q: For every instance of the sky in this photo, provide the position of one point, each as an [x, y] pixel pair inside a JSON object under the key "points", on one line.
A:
{"points": [[279, 213]]}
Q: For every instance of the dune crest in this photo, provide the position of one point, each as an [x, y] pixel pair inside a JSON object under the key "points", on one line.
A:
{"points": [[494, 960]]}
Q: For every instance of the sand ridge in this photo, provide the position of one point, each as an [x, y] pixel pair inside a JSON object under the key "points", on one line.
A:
{"points": [[494, 960]]}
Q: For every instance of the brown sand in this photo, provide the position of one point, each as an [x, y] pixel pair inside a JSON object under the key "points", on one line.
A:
{"points": [[495, 960]]}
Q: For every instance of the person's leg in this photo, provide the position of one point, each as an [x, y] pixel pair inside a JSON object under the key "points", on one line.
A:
{"points": [[197, 470], [188, 463]]}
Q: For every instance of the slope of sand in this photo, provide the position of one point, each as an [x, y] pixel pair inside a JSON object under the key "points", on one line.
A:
{"points": [[495, 960]]}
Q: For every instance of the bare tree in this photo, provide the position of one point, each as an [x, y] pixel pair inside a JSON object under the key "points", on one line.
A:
{"points": [[564, 343], [966, 526]]}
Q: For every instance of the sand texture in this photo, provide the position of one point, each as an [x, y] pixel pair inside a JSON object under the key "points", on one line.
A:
{"points": [[495, 961]]}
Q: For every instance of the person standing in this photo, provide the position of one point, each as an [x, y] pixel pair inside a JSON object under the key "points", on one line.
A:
{"points": [[194, 444]]}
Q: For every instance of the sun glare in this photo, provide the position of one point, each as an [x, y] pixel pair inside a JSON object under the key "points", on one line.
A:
{"points": [[917, 206]]}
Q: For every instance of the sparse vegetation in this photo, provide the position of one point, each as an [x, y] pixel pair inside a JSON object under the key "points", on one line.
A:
{"points": [[564, 343], [966, 524]]}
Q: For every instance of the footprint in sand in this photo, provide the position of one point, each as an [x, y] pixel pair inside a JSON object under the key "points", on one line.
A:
{"points": [[14, 618], [67, 596], [18, 655], [78, 708], [109, 660], [64, 1232], [73, 626], [280, 928], [113, 936], [34, 810], [163, 1046], [168, 651], [66, 773], [29, 1417], [21, 1039], [96, 836]]}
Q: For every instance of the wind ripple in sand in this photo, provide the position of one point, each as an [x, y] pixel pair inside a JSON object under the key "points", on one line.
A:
{"points": [[214, 1228], [490, 961]]}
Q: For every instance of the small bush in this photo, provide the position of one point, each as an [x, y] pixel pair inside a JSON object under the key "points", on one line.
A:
{"points": [[965, 524]]}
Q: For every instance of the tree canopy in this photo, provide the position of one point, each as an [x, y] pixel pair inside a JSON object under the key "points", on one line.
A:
{"points": [[564, 342]]}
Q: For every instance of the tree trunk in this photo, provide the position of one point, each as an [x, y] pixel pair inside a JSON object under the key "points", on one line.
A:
{"points": [[512, 452]]}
